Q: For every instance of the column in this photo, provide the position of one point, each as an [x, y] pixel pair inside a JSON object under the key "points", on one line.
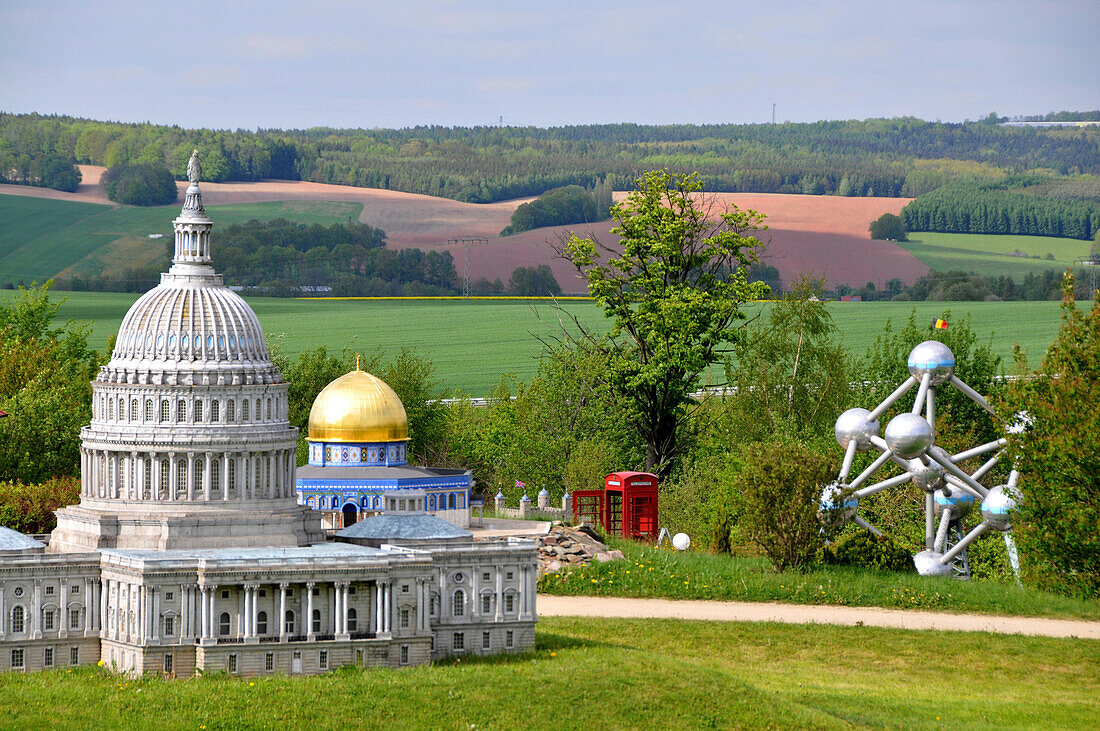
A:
{"points": [[242, 612], [103, 621], [282, 612], [376, 620], [36, 610], [189, 478], [269, 488], [344, 608], [213, 617], [387, 608], [3, 613], [309, 610], [113, 481], [255, 609], [336, 628], [173, 471], [421, 605], [62, 609], [207, 488], [225, 476], [499, 598], [139, 476], [156, 614]]}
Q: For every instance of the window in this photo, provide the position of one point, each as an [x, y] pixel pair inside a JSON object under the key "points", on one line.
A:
{"points": [[169, 596], [232, 662], [244, 410], [486, 576], [258, 416], [229, 409], [509, 639], [322, 659], [351, 589], [214, 415], [163, 477], [198, 474], [458, 642], [223, 626], [316, 620], [359, 656], [405, 588], [289, 620], [486, 603], [169, 626], [431, 605], [404, 623], [74, 655], [133, 410], [18, 591], [404, 654], [263, 593], [148, 409], [225, 593], [49, 591], [47, 657], [232, 473], [459, 578], [181, 475], [74, 619], [459, 605], [509, 576], [485, 641], [111, 409], [168, 663], [261, 623], [289, 593], [316, 591], [74, 589], [198, 411], [164, 410], [17, 658], [181, 411], [47, 620], [353, 620], [269, 658], [269, 409], [17, 619], [215, 473]]}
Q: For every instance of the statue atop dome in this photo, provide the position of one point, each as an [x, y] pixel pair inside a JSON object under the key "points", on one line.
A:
{"points": [[194, 168]]}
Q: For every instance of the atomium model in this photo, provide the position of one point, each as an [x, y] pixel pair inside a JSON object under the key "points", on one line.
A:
{"points": [[909, 441]]}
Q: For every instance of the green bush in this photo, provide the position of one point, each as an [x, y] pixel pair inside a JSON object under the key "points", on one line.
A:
{"points": [[28, 508], [140, 185], [865, 549]]}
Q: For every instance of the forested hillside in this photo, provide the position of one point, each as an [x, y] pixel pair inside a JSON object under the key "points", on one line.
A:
{"points": [[878, 157]]}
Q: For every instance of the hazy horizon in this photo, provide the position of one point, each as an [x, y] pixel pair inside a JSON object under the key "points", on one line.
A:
{"points": [[345, 64]]}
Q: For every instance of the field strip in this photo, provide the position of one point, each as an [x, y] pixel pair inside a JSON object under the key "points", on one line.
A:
{"points": [[588, 606]]}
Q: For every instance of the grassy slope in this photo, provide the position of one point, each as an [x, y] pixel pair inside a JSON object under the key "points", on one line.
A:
{"points": [[650, 572], [612, 674], [44, 237], [472, 343], [987, 254]]}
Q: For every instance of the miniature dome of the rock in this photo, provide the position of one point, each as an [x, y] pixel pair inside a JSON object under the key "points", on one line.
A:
{"points": [[358, 407]]}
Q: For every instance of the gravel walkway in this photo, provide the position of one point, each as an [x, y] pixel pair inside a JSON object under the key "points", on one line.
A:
{"points": [[586, 606]]}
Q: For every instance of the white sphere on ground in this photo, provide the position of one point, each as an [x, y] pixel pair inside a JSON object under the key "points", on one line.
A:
{"points": [[998, 505], [908, 435], [836, 508], [960, 501], [928, 564], [681, 542], [933, 357], [854, 424], [928, 477]]}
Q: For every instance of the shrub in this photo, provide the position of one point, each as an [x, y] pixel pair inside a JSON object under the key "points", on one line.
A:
{"points": [[140, 185], [28, 508], [777, 494], [888, 227], [863, 548]]}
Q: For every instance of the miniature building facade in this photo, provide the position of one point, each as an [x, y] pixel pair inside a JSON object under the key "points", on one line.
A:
{"points": [[189, 549]]}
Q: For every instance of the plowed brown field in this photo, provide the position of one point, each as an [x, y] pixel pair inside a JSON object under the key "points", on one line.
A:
{"points": [[814, 235]]}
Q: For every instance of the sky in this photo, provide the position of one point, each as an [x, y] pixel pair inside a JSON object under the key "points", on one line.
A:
{"points": [[240, 64]]}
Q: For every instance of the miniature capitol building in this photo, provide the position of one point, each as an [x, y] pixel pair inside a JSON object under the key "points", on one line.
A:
{"points": [[358, 435], [190, 550]]}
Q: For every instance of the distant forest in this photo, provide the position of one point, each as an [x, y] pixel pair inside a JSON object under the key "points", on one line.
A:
{"points": [[877, 157]]}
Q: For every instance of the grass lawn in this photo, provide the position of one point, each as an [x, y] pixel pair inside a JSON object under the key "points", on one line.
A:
{"points": [[650, 572], [473, 343], [618, 674], [989, 254]]}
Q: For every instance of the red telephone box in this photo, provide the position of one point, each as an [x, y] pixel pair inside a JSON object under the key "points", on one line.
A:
{"points": [[627, 506]]}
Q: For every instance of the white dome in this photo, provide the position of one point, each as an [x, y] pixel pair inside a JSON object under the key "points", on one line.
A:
{"points": [[190, 323]]}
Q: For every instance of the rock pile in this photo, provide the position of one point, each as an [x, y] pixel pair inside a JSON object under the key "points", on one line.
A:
{"points": [[572, 546]]}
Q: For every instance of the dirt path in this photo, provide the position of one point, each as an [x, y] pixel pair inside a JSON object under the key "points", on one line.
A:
{"points": [[585, 606]]}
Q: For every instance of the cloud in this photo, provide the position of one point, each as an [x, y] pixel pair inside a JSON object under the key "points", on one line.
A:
{"points": [[503, 84], [274, 46]]}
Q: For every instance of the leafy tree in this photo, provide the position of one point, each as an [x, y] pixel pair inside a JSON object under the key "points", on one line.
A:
{"points": [[59, 174], [674, 291], [571, 204], [888, 227], [1057, 455], [536, 281], [144, 184]]}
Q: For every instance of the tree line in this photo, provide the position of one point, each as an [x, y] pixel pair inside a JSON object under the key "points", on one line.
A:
{"points": [[562, 206]]}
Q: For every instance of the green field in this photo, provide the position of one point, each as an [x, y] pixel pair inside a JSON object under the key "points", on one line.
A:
{"points": [[42, 238], [991, 255], [473, 343], [622, 674]]}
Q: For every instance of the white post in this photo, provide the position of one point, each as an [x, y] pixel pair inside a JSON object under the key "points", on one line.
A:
{"points": [[309, 610], [282, 612]]}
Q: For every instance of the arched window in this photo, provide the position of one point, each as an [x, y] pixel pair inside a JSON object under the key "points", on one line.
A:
{"points": [[148, 409], [165, 409], [223, 624], [164, 467], [111, 409], [198, 411], [133, 410], [215, 476], [353, 620], [316, 620], [181, 411], [451, 500], [261, 623], [510, 602], [459, 604], [198, 474], [17, 618], [232, 472], [433, 602], [289, 622], [229, 408], [181, 475], [269, 408], [214, 416], [258, 413], [244, 410]]}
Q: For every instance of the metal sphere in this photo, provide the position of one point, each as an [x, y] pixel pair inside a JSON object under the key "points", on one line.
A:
{"points": [[835, 509], [681, 542], [998, 505], [853, 424], [928, 564], [928, 477], [960, 501], [908, 435], [933, 357]]}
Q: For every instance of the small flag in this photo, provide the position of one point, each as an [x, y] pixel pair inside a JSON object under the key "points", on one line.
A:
{"points": [[939, 324], [521, 484]]}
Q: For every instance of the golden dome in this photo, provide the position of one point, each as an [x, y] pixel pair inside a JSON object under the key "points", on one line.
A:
{"points": [[358, 407]]}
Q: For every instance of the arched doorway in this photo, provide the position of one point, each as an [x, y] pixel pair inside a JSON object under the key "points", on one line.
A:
{"points": [[350, 514]]}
